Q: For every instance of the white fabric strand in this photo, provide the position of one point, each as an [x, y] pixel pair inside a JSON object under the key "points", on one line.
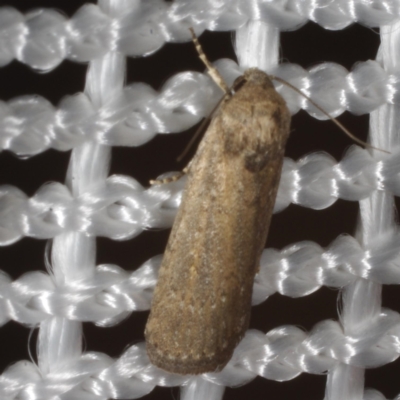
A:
{"points": [[106, 297], [107, 113], [111, 294], [30, 124], [44, 38], [281, 354], [121, 208], [362, 299]]}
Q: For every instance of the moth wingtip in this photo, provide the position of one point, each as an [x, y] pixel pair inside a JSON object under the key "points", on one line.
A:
{"points": [[184, 364]]}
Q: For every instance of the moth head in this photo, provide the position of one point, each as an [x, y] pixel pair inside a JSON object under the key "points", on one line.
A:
{"points": [[252, 75]]}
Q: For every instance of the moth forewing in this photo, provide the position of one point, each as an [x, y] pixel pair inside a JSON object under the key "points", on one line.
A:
{"points": [[201, 305]]}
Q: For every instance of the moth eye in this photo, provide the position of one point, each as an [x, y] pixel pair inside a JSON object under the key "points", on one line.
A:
{"points": [[238, 83]]}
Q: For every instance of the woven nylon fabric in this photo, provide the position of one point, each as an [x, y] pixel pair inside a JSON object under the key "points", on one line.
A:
{"points": [[89, 203]]}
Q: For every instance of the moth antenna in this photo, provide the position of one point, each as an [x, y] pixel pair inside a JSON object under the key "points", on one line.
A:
{"points": [[213, 72], [198, 132], [334, 120], [170, 179]]}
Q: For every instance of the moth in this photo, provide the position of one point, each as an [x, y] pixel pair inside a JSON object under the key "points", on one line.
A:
{"points": [[201, 305]]}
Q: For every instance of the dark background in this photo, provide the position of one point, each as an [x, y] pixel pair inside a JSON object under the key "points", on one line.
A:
{"points": [[307, 46]]}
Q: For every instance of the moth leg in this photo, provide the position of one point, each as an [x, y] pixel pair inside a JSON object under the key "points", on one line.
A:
{"points": [[215, 75], [172, 178]]}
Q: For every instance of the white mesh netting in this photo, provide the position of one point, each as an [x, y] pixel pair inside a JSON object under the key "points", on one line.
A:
{"points": [[87, 281]]}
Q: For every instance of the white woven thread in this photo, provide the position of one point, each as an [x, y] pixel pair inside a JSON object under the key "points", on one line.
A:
{"points": [[120, 208], [31, 124], [281, 354], [111, 293], [86, 203], [362, 299], [44, 38]]}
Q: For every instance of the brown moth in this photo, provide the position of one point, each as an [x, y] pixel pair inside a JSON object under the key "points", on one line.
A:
{"points": [[201, 305]]}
